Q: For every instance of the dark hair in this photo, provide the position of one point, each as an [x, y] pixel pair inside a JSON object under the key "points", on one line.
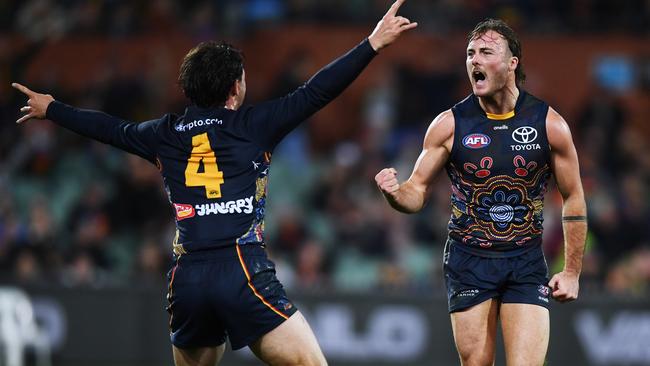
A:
{"points": [[209, 71], [503, 29]]}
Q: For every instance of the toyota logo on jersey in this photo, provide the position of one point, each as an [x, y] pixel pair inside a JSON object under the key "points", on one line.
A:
{"points": [[476, 141], [524, 134]]}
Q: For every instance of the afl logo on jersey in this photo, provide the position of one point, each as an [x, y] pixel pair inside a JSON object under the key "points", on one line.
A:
{"points": [[476, 141]]}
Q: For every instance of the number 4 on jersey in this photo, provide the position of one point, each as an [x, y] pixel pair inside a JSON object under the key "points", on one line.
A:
{"points": [[211, 178]]}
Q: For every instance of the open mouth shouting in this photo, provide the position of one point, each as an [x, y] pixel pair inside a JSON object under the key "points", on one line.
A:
{"points": [[479, 78]]}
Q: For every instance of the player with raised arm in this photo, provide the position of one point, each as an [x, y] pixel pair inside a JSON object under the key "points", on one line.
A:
{"points": [[214, 160], [499, 147]]}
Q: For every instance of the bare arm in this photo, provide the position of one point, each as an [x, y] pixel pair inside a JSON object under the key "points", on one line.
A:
{"points": [[564, 160], [410, 196]]}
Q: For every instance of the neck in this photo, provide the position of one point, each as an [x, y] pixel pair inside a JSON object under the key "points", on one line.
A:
{"points": [[231, 106], [501, 102], [231, 103]]}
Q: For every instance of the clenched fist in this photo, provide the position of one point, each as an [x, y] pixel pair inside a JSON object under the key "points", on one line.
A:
{"points": [[387, 181]]}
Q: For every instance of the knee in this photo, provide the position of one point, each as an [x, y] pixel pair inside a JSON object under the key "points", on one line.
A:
{"points": [[476, 359], [303, 359], [311, 359]]}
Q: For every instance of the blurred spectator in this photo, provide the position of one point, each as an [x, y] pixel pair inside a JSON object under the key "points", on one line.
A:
{"points": [[81, 271], [139, 182], [599, 129], [631, 276], [91, 226], [41, 20], [151, 263], [311, 267]]}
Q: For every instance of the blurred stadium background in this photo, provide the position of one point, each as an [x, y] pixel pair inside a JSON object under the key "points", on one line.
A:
{"points": [[85, 229]]}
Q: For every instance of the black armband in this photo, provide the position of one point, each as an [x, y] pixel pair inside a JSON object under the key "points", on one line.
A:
{"points": [[574, 218]]}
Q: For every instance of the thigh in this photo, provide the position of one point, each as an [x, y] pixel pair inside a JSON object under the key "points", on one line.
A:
{"points": [[193, 321], [525, 333], [204, 356], [528, 281], [470, 279], [255, 302], [475, 333], [291, 343]]}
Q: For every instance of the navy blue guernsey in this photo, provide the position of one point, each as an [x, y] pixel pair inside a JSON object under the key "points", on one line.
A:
{"points": [[215, 161], [499, 168]]}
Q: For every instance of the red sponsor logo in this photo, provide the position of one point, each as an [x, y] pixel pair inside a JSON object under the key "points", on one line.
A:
{"points": [[184, 211]]}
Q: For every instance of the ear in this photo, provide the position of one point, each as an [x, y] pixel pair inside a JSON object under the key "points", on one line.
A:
{"points": [[236, 88], [514, 62]]}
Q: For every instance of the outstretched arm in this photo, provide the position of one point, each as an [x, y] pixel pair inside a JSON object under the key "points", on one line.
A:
{"points": [[564, 159], [135, 138], [269, 122], [410, 196]]}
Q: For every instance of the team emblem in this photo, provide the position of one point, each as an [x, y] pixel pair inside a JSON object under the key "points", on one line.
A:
{"points": [[524, 134], [476, 141], [544, 290]]}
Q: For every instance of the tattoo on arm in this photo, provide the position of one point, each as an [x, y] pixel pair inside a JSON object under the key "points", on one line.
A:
{"points": [[574, 218]]}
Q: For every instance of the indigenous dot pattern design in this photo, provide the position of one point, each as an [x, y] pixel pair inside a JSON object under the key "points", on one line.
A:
{"points": [[498, 189]]}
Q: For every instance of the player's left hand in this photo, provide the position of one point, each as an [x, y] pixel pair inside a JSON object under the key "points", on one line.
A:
{"points": [[36, 104], [564, 286], [390, 27]]}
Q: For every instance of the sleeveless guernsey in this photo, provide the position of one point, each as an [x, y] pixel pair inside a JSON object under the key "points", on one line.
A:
{"points": [[499, 168]]}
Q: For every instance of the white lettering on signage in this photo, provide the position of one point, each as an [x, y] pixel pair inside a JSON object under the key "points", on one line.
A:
{"points": [[625, 341], [395, 333]]}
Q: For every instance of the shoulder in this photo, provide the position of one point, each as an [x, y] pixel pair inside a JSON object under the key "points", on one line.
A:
{"points": [[466, 108], [444, 120], [441, 129], [168, 121], [154, 125], [557, 129]]}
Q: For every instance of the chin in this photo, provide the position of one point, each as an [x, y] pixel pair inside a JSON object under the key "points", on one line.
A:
{"points": [[481, 92]]}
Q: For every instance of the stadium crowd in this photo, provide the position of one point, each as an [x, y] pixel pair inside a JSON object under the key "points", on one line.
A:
{"points": [[79, 213], [46, 19]]}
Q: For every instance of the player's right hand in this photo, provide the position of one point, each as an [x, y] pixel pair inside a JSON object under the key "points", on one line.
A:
{"points": [[36, 104], [390, 27], [386, 180]]}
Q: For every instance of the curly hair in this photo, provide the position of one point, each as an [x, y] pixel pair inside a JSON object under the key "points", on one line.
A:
{"points": [[209, 71], [503, 29]]}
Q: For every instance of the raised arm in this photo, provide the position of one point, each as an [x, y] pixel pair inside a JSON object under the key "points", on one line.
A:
{"points": [[564, 160], [410, 196], [135, 138], [269, 122]]}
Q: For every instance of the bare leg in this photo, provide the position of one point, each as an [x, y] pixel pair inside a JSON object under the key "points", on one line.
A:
{"points": [[291, 343], [204, 356], [525, 333], [475, 333]]}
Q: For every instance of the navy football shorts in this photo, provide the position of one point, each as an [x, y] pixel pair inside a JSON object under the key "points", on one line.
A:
{"points": [[230, 292], [472, 279]]}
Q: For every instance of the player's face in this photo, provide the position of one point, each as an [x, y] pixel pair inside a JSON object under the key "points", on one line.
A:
{"points": [[489, 63]]}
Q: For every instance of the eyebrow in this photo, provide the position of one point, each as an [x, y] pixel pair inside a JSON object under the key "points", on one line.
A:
{"points": [[481, 49]]}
